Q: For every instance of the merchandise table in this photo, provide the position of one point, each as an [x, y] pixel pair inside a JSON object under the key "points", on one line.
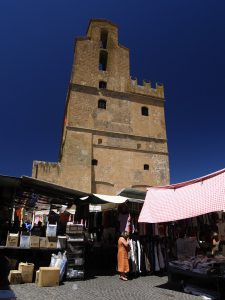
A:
{"points": [[41, 257], [213, 281]]}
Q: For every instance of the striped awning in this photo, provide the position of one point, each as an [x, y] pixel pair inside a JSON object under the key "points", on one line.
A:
{"points": [[184, 200]]}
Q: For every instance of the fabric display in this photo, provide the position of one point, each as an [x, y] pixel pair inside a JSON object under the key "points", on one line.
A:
{"points": [[199, 264], [147, 255], [82, 214]]}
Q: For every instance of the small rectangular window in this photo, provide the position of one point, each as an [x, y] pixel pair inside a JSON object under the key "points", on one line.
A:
{"points": [[103, 39], [144, 111], [102, 84], [94, 162], [146, 167], [102, 104], [103, 60]]}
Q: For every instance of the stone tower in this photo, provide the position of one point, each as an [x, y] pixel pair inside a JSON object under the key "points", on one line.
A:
{"points": [[114, 133]]}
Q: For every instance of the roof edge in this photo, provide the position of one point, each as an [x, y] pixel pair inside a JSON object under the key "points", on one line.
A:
{"points": [[101, 20]]}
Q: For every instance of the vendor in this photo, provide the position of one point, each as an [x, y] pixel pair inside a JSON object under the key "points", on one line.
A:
{"points": [[215, 243]]}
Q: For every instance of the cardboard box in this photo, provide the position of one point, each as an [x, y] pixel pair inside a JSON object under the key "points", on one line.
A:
{"points": [[51, 242], [12, 240], [43, 242], [15, 277], [48, 276], [27, 270], [61, 243], [34, 241], [24, 241]]}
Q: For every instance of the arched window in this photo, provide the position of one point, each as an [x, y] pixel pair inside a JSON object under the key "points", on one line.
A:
{"points": [[144, 111], [102, 104], [146, 167], [103, 56]]}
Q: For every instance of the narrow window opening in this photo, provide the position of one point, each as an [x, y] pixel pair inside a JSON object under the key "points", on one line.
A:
{"points": [[102, 84], [103, 56], [144, 111], [99, 141], [94, 162], [103, 39], [102, 104], [146, 167], [138, 146]]}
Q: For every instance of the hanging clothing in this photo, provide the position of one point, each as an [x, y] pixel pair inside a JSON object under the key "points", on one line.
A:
{"points": [[160, 257], [139, 256], [133, 256], [157, 268]]}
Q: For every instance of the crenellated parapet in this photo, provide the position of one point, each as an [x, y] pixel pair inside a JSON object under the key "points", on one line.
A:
{"points": [[46, 165], [146, 88], [46, 170]]}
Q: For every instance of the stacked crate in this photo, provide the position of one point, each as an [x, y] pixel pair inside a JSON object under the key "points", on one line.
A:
{"points": [[75, 251]]}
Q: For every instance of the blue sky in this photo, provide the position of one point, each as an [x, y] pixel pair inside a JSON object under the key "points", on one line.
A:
{"points": [[180, 43]]}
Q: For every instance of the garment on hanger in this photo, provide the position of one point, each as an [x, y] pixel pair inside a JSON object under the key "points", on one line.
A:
{"points": [[160, 257], [157, 268], [139, 255]]}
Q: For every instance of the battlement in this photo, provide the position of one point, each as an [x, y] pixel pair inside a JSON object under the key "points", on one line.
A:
{"points": [[49, 171], [146, 88], [45, 165]]}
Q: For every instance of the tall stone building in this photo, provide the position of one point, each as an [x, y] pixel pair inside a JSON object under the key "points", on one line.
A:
{"points": [[114, 133]]}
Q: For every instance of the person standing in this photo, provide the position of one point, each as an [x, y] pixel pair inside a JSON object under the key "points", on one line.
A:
{"points": [[122, 255]]}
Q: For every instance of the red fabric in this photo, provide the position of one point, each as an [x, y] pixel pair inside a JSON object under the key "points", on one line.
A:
{"points": [[184, 200]]}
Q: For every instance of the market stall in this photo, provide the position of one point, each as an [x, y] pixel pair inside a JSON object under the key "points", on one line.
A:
{"points": [[91, 224], [191, 214]]}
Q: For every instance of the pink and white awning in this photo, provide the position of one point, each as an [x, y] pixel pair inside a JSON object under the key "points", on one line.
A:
{"points": [[184, 200]]}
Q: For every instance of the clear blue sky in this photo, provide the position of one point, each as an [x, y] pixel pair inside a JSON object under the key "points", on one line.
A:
{"points": [[178, 43]]}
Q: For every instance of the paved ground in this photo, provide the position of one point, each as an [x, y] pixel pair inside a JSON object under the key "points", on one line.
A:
{"points": [[103, 288]]}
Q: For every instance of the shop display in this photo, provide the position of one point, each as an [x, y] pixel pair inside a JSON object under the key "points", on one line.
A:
{"points": [[75, 253]]}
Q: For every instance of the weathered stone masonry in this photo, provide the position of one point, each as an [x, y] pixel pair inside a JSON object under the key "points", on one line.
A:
{"points": [[114, 132]]}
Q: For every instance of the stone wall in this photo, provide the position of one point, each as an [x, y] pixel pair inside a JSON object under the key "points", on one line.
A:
{"points": [[105, 149]]}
